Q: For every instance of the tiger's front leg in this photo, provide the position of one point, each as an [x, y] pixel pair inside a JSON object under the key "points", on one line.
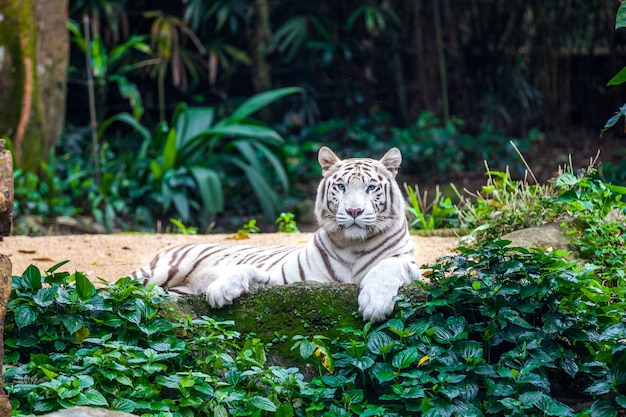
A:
{"points": [[381, 284], [232, 282]]}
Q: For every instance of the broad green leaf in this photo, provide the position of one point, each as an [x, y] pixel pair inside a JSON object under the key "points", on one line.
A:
{"points": [[384, 375], [266, 134], [263, 403], [379, 342], [530, 398], [470, 351], [170, 151], [72, 322], [78, 37], [32, 277], [130, 92], [603, 408], [181, 202], [285, 410], [99, 58], [405, 358], [53, 268], [84, 287], [619, 78], [25, 315], [45, 296], [620, 19], [259, 101], [267, 197], [334, 381], [209, 185], [135, 42], [307, 348], [513, 317], [93, 398], [570, 367], [130, 121], [192, 122]]}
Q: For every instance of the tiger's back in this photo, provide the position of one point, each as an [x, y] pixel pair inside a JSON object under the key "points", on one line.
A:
{"points": [[363, 239]]}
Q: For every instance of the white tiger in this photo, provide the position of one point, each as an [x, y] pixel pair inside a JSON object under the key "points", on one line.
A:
{"points": [[363, 239]]}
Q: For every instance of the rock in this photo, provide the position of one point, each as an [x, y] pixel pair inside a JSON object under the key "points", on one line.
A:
{"points": [[276, 313], [5, 292], [87, 412], [550, 236]]}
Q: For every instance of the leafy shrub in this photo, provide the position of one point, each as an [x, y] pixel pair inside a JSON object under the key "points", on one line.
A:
{"points": [[425, 214], [505, 205], [185, 170], [69, 343], [505, 332]]}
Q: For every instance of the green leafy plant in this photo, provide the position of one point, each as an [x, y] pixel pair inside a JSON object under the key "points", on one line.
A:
{"points": [[505, 205], [620, 77], [423, 214], [185, 230], [69, 343], [247, 229], [190, 160], [287, 223], [505, 331], [113, 66]]}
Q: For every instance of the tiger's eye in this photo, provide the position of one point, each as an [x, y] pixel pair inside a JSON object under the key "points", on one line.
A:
{"points": [[371, 187], [341, 187]]}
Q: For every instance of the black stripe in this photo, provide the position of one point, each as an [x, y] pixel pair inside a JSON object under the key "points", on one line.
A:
{"points": [[325, 257]]}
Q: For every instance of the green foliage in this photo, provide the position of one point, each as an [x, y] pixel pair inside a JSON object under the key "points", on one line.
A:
{"points": [[429, 147], [185, 230], [287, 223], [505, 331], [180, 170], [438, 213], [505, 205], [69, 343], [112, 67], [247, 229], [620, 77]]}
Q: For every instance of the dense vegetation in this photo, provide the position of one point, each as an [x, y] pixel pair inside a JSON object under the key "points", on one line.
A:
{"points": [[504, 331], [165, 73]]}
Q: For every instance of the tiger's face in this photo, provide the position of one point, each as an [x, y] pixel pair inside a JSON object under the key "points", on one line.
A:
{"points": [[359, 197]]}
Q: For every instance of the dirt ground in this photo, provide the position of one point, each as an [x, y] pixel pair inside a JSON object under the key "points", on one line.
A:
{"points": [[114, 256]]}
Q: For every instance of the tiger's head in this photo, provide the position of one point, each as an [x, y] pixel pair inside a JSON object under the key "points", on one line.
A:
{"points": [[359, 197]]}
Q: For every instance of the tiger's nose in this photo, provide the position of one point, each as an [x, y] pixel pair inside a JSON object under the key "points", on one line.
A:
{"points": [[354, 212]]}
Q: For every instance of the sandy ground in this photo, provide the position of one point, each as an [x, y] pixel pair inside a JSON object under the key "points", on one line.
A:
{"points": [[114, 256]]}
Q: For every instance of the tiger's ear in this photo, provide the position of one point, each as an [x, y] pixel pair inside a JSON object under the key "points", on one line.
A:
{"points": [[392, 160], [327, 158]]}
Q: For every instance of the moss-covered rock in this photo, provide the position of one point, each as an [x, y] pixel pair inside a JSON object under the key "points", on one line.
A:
{"points": [[275, 314]]}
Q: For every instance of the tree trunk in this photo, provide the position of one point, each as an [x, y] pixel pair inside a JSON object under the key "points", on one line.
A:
{"points": [[259, 46], [33, 71]]}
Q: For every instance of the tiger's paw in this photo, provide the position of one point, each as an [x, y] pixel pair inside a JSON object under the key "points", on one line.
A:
{"points": [[375, 306], [222, 292]]}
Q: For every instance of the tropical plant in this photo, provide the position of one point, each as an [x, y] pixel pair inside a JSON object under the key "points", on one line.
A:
{"points": [[68, 343], [112, 67], [181, 167], [505, 331], [437, 213], [167, 34]]}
